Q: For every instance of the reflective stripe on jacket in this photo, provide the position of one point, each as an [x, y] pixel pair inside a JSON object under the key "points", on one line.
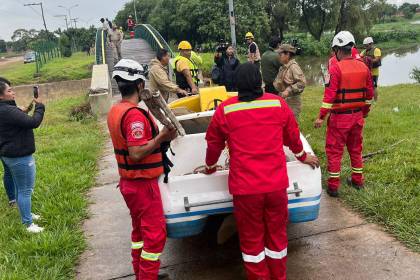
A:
{"points": [[149, 167], [255, 133], [181, 80]]}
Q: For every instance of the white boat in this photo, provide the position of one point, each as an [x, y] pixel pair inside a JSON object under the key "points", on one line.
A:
{"points": [[189, 199]]}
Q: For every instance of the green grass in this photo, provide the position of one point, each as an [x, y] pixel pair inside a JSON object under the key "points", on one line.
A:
{"points": [[66, 157], [392, 194], [10, 54], [76, 67], [401, 25]]}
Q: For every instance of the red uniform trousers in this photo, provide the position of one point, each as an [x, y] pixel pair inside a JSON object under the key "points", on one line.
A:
{"points": [[149, 227], [344, 130], [262, 225]]}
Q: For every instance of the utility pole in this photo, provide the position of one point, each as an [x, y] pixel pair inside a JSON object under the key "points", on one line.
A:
{"points": [[232, 23], [69, 10], [65, 18], [75, 20], [42, 11], [135, 11]]}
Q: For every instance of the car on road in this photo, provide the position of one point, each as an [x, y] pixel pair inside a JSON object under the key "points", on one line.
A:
{"points": [[29, 57]]}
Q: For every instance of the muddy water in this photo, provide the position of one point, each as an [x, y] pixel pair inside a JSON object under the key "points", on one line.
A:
{"points": [[395, 69]]}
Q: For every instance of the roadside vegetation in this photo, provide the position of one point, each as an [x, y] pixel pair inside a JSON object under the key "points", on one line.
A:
{"points": [[76, 67], [67, 152], [392, 194]]}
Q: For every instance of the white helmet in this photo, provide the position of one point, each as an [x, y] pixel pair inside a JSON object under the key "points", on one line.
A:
{"points": [[367, 41], [129, 70], [343, 38]]}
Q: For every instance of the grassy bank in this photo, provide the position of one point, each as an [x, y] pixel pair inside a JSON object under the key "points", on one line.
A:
{"points": [[76, 67], [66, 158], [392, 195]]}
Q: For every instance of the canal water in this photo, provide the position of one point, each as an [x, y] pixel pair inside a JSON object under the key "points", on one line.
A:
{"points": [[396, 67]]}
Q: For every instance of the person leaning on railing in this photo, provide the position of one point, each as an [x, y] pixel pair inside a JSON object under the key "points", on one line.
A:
{"points": [[17, 145]]}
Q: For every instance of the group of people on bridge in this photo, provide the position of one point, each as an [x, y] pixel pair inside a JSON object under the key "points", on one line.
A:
{"points": [[254, 125]]}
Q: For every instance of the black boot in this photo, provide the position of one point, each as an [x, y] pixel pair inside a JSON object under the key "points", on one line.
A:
{"points": [[332, 193], [353, 185], [163, 276]]}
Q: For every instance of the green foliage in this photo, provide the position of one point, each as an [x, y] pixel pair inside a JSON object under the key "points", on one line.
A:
{"points": [[65, 45], [143, 9], [76, 67], [3, 46], [408, 10], [415, 74], [66, 158]]}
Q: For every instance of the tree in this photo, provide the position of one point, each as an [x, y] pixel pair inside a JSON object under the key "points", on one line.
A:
{"points": [[316, 15], [408, 10], [3, 46], [143, 8], [281, 13], [65, 45]]}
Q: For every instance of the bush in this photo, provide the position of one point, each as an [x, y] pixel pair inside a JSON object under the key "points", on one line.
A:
{"points": [[65, 46], [415, 74]]}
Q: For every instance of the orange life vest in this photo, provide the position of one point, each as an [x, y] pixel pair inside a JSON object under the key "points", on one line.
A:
{"points": [[152, 165], [352, 90]]}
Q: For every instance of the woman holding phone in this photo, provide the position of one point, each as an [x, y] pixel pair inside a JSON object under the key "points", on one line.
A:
{"points": [[17, 145]]}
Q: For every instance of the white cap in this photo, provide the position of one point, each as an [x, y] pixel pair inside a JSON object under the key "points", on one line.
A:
{"points": [[367, 41], [343, 38], [129, 70]]}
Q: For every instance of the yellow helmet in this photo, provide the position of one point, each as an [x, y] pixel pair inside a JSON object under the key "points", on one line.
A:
{"points": [[249, 35], [184, 45]]}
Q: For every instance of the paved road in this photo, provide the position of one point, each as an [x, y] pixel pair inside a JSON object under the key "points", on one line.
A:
{"points": [[339, 245]]}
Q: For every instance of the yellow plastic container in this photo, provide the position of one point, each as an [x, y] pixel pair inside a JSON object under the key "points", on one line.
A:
{"points": [[205, 101]]}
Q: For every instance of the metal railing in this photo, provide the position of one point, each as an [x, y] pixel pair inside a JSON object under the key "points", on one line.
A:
{"points": [[45, 51], [153, 37], [100, 45]]}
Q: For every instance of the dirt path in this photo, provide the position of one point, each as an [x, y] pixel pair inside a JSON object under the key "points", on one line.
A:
{"points": [[8, 61]]}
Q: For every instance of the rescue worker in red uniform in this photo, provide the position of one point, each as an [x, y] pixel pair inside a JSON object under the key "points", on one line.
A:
{"points": [[137, 140], [347, 100], [255, 126]]}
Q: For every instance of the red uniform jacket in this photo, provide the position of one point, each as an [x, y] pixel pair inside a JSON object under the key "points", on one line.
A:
{"points": [[334, 85], [255, 133]]}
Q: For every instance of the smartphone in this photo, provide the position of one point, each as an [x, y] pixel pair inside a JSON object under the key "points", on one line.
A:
{"points": [[36, 91]]}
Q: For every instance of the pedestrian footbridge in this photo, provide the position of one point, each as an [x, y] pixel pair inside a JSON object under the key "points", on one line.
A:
{"points": [[142, 48]]}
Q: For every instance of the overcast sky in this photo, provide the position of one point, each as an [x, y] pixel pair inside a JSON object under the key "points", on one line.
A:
{"points": [[14, 15]]}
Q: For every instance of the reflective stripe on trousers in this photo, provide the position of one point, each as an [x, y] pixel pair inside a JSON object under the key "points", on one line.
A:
{"points": [[137, 245], [261, 256], [150, 256]]}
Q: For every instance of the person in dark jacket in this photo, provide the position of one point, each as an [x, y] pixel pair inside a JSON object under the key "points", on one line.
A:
{"points": [[270, 65], [17, 144], [228, 63]]}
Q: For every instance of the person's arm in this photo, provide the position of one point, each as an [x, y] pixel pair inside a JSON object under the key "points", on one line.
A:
{"points": [[162, 80], [291, 139], [299, 81], [188, 77], [138, 153], [252, 53], [369, 95], [216, 137], [376, 55], [218, 59], [329, 94], [23, 120]]}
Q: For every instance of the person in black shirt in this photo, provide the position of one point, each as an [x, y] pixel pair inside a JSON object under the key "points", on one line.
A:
{"points": [[227, 62], [17, 144]]}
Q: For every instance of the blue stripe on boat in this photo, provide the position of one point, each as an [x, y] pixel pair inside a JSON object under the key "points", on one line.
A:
{"points": [[194, 227], [230, 209]]}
